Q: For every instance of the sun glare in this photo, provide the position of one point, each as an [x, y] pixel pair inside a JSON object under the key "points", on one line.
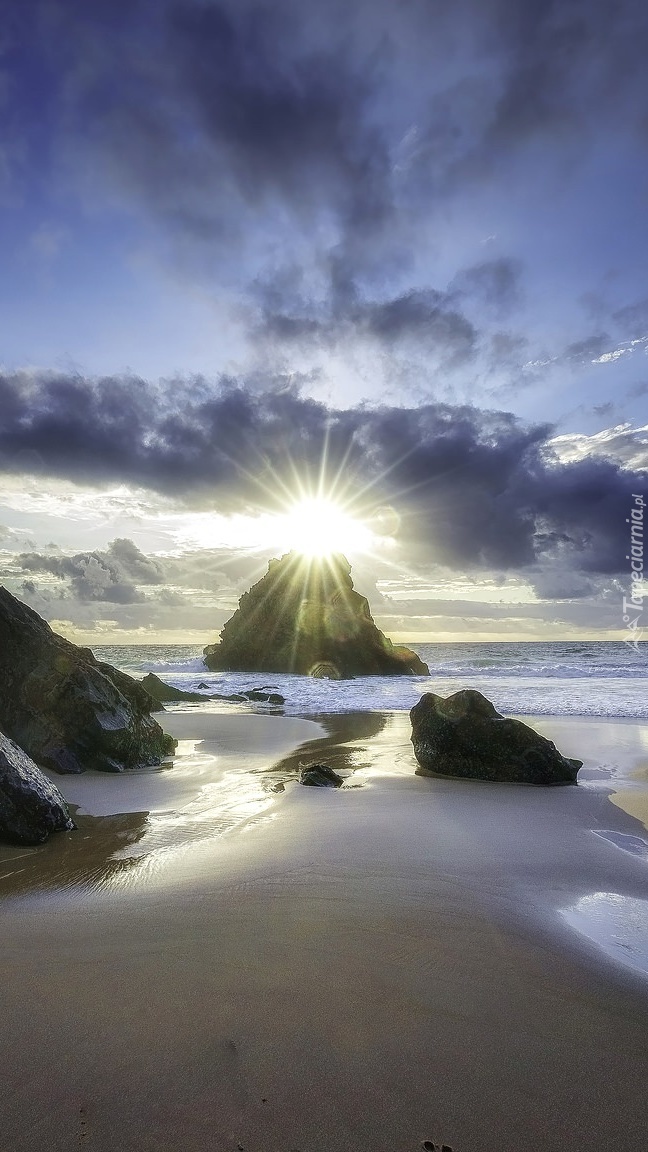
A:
{"points": [[319, 527]]}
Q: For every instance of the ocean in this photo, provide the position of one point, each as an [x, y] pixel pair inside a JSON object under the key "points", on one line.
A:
{"points": [[560, 678]]}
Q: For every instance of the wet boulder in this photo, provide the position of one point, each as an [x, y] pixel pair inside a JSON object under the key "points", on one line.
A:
{"points": [[66, 709], [263, 696], [30, 805], [320, 776], [464, 735], [305, 616], [164, 693]]}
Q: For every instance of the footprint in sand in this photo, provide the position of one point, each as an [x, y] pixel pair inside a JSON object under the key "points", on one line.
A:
{"points": [[235, 1073]]}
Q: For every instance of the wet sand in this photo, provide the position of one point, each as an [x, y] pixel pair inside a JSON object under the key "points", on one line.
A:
{"points": [[364, 969]]}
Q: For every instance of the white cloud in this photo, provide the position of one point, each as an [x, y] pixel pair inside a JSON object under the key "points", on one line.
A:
{"points": [[489, 590], [624, 349], [624, 444]]}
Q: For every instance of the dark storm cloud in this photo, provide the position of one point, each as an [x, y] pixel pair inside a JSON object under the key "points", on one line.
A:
{"points": [[337, 113], [588, 502], [221, 110], [109, 576], [549, 47], [471, 488], [523, 75], [554, 583], [326, 135], [424, 318], [288, 117], [423, 313], [566, 68]]}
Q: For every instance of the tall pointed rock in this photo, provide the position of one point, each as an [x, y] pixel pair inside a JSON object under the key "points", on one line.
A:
{"points": [[305, 616]]}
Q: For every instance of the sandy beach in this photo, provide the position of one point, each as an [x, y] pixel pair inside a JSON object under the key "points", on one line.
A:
{"points": [[222, 959]]}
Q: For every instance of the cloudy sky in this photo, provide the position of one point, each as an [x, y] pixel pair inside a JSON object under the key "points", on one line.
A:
{"points": [[396, 250]]}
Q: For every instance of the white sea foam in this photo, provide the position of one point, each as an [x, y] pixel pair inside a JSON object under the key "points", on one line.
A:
{"points": [[543, 679], [177, 667]]}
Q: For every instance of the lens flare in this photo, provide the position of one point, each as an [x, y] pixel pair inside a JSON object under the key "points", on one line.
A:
{"points": [[320, 527]]}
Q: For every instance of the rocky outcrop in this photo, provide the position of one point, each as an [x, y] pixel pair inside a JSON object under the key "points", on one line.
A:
{"points": [[305, 616], [464, 735], [167, 694], [65, 708], [320, 776], [30, 805]]}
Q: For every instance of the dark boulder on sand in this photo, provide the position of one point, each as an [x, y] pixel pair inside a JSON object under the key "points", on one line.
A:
{"points": [[66, 709], [305, 616], [320, 776], [30, 805], [464, 735]]}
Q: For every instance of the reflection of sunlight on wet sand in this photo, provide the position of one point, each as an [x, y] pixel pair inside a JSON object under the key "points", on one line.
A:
{"points": [[632, 795], [241, 789], [230, 775], [618, 924], [136, 825], [184, 750], [238, 797], [391, 751], [168, 836], [229, 768], [613, 755], [360, 747], [634, 801], [72, 861]]}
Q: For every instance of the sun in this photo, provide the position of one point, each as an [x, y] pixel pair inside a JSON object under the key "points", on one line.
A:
{"points": [[318, 527]]}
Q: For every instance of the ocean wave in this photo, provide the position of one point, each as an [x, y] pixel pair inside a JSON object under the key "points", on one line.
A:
{"points": [[176, 667], [533, 679]]}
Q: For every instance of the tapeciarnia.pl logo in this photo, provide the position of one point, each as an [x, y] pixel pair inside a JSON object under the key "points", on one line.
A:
{"points": [[633, 607]]}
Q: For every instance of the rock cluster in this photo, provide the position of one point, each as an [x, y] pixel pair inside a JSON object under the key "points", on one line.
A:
{"points": [[65, 708], [305, 616], [464, 735], [164, 693], [61, 709]]}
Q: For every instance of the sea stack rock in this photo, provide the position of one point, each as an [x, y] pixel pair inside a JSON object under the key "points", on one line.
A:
{"points": [[464, 735], [30, 805], [305, 616], [66, 709]]}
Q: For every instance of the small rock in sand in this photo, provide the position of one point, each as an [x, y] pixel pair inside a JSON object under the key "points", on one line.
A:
{"points": [[320, 776]]}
